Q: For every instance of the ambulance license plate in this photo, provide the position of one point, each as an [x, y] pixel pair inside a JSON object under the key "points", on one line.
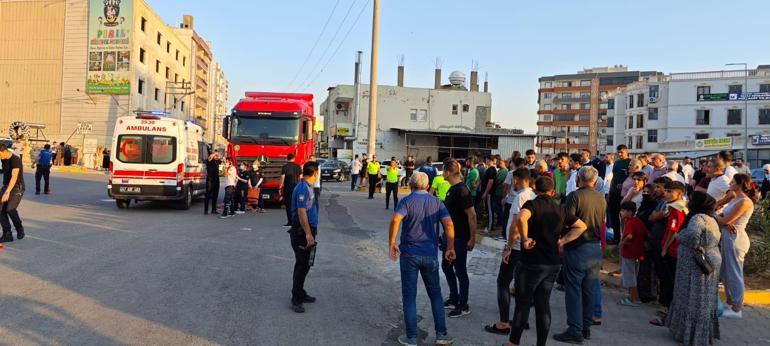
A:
{"points": [[130, 189]]}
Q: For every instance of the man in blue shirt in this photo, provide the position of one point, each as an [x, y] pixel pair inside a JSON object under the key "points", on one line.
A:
{"points": [[304, 216], [429, 170], [421, 214], [43, 169]]}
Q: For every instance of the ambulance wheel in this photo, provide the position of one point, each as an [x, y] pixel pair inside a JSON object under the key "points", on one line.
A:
{"points": [[122, 203], [186, 203]]}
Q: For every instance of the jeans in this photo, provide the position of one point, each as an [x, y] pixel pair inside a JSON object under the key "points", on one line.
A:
{"points": [[598, 299], [533, 283], [212, 194], [373, 180], [427, 267], [9, 212], [457, 270], [301, 263], [45, 173], [504, 218], [391, 188], [504, 279], [581, 270], [497, 206], [353, 181], [229, 201]]}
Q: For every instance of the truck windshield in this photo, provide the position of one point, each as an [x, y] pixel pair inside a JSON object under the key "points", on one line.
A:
{"points": [[265, 130]]}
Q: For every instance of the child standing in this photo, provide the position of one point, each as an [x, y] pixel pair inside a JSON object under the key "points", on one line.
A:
{"points": [[631, 251]]}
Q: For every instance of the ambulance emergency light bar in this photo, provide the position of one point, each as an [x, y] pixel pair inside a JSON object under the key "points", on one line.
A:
{"points": [[150, 114]]}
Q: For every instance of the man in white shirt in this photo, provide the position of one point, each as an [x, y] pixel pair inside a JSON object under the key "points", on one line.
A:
{"points": [[687, 170], [355, 170], [575, 164], [672, 167], [509, 195], [742, 167], [531, 159], [719, 184], [609, 161], [727, 157]]}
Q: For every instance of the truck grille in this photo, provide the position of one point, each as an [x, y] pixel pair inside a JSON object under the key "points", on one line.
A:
{"points": [[271, 171]]}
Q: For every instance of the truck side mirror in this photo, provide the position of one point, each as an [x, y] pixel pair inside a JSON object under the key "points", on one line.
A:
{"points": [[226, 127]]}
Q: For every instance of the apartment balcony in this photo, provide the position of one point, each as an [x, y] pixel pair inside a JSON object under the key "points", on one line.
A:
{"points": [[571, 99], [545, 90], [572, 111], [572, 88]]}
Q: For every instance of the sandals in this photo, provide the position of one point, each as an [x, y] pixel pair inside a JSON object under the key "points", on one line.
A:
{"points": [[492, 328], [657, 321], [627, 302]]}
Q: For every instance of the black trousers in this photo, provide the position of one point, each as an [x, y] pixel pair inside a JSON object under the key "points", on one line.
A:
{"points": [[301, 262], [613, 208], [504, 279], [241, 194], [533, 282], [45, 173], [647, 281], [666, 276], [373, 180], [287, 204], [9, 212], [391, 188], [504, 218], [212, 194], [229, 201]]}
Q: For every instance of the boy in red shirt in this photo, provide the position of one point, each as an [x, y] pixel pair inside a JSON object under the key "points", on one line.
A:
{"points": [[676, 211], [631, 251]]}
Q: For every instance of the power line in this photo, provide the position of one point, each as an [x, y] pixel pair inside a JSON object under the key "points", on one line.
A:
{"points": [[339, 45], [318, 39], [310, 73]]}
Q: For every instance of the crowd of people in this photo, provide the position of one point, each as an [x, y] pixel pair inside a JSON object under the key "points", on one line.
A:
{"points": [[680, 232]]}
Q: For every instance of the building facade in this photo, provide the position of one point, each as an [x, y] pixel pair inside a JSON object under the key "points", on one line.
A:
{"points": [[695, 114], [218, 99], [200, 72], [572, 108], [410, 121]]}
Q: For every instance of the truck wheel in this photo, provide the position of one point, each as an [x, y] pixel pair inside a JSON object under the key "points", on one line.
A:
{"points": [[122, 203], [186, 203]]}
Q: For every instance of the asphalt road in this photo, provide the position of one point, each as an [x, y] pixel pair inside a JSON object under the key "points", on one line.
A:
{"points": [[88, 273]]}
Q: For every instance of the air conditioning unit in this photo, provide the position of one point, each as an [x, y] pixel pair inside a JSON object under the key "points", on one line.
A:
{"points": [[653, 99], [341, 106]]}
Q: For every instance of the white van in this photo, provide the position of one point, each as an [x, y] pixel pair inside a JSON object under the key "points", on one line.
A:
{"points": [[156, 158]]}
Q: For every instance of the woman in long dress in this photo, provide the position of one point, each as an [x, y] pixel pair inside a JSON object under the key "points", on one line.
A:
{"points": [[735, 241], [692, 316]]}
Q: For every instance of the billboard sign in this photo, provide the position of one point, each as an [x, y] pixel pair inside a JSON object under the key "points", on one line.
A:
{"points": [[760, 140], [713, 143], [750, 96], [109, 50]]}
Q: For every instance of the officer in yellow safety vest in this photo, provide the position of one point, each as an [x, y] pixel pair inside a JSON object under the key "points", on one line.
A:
{"points": [[373, 169]]}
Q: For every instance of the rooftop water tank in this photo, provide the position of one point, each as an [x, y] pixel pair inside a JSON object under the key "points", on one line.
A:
{"points": [[457, 79]]}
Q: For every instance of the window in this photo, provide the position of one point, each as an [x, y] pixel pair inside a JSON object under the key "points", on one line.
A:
{"points": [[630, 122], [162, 149], [603, 105], [176, 77], [639, 142], [630, 142], [157, 66], [454, 109], [585, 95], [764, 116], [159, 38], [181, 106], [547, 95], [733, 117], [702, 117], [702, 90], [141, 55], [168, 72], [547, 117], [585, 106], [585, 83], [610, 122], [639, 121], [422, 115], [630, 101], [652, 113], [144, 23], [566, 95], [611, 104], [130, 148], [734, 89], [413, 114], [565, 106], [652, 136], [140, 87], [610, 140], [654, 89], [548, 84], [168, 47], [203, 152], [174, 104], [734, 134], [466, 108], [764, 88], [177, 55], [701, 135], [566, 84], [184, 61], [640, 100], [547, 107], [157, 94]]}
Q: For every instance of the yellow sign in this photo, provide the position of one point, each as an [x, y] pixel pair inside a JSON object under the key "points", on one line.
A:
{"points": [[713, 143], [344, 129]]}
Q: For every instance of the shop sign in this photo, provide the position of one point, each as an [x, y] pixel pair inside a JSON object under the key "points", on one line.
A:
{"points": [[712, 143], [749, 96], [760, 140], [344, 129]]}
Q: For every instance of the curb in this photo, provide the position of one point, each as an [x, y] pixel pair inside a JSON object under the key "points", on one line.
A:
{"points": [[75, 169], [750, 297]]}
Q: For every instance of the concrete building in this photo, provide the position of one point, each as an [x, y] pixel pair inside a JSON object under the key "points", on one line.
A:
{"points": [[443, 121], [571, 110], [200, 72], [58, 72], [694, 114], [218, 99]]}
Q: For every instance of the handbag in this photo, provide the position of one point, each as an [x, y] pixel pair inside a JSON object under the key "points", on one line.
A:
{"points": [[703, 263]]}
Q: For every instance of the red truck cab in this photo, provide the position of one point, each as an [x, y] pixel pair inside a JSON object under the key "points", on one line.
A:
{"points": [[267, 127]]}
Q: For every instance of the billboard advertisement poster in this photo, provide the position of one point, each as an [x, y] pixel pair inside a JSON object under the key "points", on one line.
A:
{"points": [[714, 143], [109, 50]]}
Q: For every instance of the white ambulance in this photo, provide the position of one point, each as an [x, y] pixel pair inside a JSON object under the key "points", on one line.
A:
{"points": [[156, 158]]}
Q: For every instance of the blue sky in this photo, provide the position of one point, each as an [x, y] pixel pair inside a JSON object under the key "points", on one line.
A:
{"points": [[262, 44]]}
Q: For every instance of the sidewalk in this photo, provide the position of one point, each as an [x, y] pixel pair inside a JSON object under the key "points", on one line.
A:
{"points": [[76, 169]]}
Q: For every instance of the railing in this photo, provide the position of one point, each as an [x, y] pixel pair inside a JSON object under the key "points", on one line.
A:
{"points": [[717, 74], [571, 99]]}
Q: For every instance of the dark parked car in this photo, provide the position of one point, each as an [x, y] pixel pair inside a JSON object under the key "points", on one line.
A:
{"points": [[335, 169]]}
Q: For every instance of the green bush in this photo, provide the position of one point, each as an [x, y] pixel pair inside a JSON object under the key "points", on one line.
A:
{"points": [[758, 257]]}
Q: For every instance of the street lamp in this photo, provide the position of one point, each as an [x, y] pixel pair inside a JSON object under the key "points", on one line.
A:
{"points": [[745, 108]]}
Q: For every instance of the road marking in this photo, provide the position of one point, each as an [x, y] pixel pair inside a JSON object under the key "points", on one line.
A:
{"points": [[58, 243], [106, 200], [246, 229]]}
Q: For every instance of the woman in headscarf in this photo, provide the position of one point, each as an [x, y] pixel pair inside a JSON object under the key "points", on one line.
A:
{"points": [[692, 316]]}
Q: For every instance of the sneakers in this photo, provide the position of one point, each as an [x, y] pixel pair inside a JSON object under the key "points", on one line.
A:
{"points": [[308, 299], [20, 234], [730, 313], [450, 304], [444, 340], [403, 340], [6, 238], [240, 212], [224, 216], [298, 308], [460, 312], [567, 338]]}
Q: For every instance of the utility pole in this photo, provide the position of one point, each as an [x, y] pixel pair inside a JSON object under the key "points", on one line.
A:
{"points": [[373, 80], [745, 95]]}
